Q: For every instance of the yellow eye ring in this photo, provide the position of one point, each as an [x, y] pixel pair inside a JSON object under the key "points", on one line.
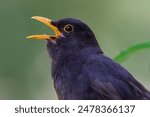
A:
{"points": [[68, 28]]}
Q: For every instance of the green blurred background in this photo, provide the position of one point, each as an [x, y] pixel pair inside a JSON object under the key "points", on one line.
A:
{"points": [[25, 64]]}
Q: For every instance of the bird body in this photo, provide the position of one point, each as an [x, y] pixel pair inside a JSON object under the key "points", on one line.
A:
{"points": [[81, 71], [89, 74]]}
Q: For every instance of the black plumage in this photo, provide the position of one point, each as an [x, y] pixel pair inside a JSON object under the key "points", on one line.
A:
{"points": [[81, 71]]}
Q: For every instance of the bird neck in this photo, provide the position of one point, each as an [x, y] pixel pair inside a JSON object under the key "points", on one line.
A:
{"points": [[63, 56], [58, 53]]}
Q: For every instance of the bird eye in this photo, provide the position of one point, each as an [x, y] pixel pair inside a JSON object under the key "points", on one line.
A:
{"points": [[68, 28]]}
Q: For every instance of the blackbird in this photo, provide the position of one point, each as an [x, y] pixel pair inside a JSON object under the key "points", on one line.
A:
{"points": [[80, 70]]}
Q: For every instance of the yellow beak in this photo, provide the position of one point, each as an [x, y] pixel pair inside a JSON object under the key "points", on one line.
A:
{"points": [[48, 23]]}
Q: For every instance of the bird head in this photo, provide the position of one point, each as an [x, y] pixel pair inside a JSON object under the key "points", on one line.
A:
{"points": [[68, 32]]}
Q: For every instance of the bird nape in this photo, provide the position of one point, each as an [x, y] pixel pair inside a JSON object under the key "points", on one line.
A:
{"points": [[80, 70]]}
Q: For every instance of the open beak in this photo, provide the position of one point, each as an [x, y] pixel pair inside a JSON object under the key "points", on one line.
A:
{"points": [[47, 22]]}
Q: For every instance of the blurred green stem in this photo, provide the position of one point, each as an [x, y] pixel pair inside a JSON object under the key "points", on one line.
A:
{"points": [[124, 55]]}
